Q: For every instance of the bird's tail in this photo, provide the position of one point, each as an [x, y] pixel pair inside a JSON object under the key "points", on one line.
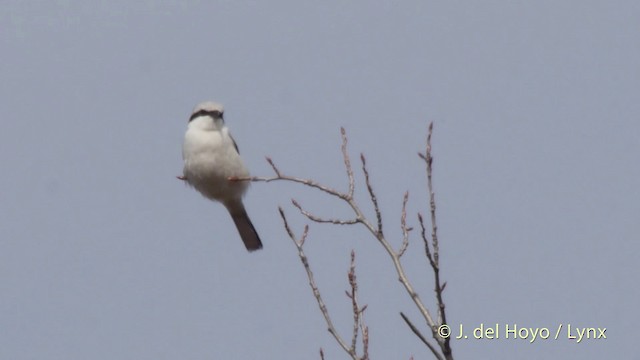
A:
{"points": [[247, 232]]}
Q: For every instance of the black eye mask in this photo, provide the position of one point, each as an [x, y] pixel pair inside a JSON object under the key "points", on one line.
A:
{"points": [[213, 113]]}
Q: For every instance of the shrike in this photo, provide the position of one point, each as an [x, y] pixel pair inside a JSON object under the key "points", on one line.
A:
{"points": [[210, 157]]}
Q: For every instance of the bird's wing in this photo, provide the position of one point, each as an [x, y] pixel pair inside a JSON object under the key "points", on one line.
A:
{"points": [[234, 144]]}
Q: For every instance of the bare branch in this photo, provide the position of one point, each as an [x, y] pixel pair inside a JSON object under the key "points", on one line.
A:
{"points": [[318, 219], [354, 301], [435, 259], [312, 283], [307, 182], [365, 341], [377, 231], [299, 243], [432, 199], [403, 226], [372, 195], [421, 337], [423, 234], [280, 176], [358, 312], [347, 162], [273, 166]]}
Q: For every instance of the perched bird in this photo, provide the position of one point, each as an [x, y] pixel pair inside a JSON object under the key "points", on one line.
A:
{"points": [[211, 157]]}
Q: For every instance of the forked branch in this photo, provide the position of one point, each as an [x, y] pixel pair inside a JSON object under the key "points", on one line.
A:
{"points": [[358, 322], [376, 229]]}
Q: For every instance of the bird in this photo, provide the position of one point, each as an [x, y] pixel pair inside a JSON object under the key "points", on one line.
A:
{"points": [[211, 157]]}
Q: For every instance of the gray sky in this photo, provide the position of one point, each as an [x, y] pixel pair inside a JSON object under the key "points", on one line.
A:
{"points": [[105, 255]]}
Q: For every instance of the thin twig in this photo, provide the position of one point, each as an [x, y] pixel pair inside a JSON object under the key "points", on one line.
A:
{"points": [[423, 234], [365, 341], [372, 195], [421, 337], [280, 176], [354, 300], [432, 198], [307, 182], [318, 219], [273, 166], [358, 312], [347, 162], [312, 283], [403, 225], [435, 259]]}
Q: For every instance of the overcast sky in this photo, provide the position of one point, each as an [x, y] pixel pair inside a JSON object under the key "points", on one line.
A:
{"points": [[105, 255]]}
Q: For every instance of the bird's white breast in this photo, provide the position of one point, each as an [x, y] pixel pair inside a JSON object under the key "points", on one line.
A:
{"points": [[210, 158]]}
